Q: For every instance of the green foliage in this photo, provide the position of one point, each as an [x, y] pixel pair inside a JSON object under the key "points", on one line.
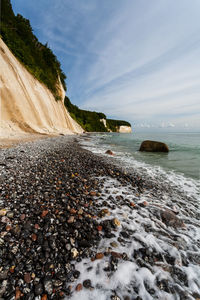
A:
{"points": [[113, 125], [39, 59], [89, 120]]}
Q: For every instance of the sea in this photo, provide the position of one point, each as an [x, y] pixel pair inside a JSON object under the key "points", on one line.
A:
{"points": [[179, 167], [182, 159], [161, 261]]}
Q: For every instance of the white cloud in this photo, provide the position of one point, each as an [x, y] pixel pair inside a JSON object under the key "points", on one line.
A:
{"points": [[136, 60], [154, 77]]}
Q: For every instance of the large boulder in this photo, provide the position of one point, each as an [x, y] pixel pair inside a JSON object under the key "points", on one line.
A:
{"points": [[152, 146]]}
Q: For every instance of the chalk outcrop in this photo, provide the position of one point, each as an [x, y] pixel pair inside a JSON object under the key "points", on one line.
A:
{"points": [[121, 129], [104, 122], [124, 129], [28, 106]]}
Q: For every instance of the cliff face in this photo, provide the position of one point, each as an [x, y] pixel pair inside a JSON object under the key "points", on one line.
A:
{"points": [[26, 105], [121, 129], [124, 129]]}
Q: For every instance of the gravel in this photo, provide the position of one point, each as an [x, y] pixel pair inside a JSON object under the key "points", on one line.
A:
{"points": [[48, 215], [66, 213]]}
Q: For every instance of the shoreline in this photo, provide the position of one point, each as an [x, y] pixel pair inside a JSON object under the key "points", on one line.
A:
{"points": [[67, 213], [11, 141]]}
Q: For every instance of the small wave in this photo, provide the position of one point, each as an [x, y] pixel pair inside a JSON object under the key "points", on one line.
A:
{"points": [[156, 261], [177, 181], [159, 261]]}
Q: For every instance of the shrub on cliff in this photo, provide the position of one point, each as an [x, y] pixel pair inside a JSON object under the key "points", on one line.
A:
{"points": [[39, 59], [89, 120], [113, 125]]}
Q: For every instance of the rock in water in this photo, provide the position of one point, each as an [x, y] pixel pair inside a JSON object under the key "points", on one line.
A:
{"points": [[152, 146], [109, 152]]}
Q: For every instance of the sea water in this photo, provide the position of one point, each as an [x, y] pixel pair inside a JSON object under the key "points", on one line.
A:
{"points": [[183, 157], [180, 167], [174, 178]]}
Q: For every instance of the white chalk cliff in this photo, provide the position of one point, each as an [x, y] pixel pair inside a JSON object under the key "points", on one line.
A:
{"points": [[28, 106], [121, 129], [124, 129]]}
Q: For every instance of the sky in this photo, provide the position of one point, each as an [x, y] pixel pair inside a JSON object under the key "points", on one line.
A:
{"points": [[137, 60]]}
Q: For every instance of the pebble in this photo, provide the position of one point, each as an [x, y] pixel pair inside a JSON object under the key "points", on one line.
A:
{"points": [[87, 283], [74, 252], [116, 254], [73, 211], [49, 222], [38, 289], [143, 204], [8, 228], [80, 211], [115, 297], [27, 277], [44, 213], [3, 212], [4, 274], [71, 219], [6, 220], [18, 294], [93, 193], [170, 219], [22, 217], [114, 244], [99, 255], [36, 226], [109, 152], [48, 286], [99, 228], [79, 287], [34, 237], [116, 222], [10, 214], [76, 274]]}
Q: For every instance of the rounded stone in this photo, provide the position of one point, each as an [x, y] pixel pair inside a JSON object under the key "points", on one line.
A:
{"points": [[38, 289], [87, 283], [79, 287]]}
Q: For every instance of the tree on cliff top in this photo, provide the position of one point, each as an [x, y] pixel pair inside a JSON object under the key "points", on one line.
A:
{"points": [[39, 59]]}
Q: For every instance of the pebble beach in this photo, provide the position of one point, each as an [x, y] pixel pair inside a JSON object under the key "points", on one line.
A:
{"points": [[74, 225]]}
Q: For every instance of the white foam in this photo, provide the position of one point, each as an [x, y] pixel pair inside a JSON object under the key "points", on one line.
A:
{"points": [[173, 191], [131, 278], [177, 181]]}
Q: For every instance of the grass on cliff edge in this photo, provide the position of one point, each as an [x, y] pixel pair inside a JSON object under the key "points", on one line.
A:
{"points": [[39, 59], [90, 120]]}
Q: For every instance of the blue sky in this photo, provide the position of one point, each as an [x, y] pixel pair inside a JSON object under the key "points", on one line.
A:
{"points": [[137, 60]]}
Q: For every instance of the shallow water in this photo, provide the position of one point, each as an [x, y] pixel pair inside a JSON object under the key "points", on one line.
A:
{"points": [[180, 167], [170, 267], [170, 271], [184, 155]]}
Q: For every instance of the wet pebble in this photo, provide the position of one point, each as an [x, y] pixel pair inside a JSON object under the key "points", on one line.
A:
{"points": [[87, 283], [38, 289], [48, 286], [79, 287]]}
